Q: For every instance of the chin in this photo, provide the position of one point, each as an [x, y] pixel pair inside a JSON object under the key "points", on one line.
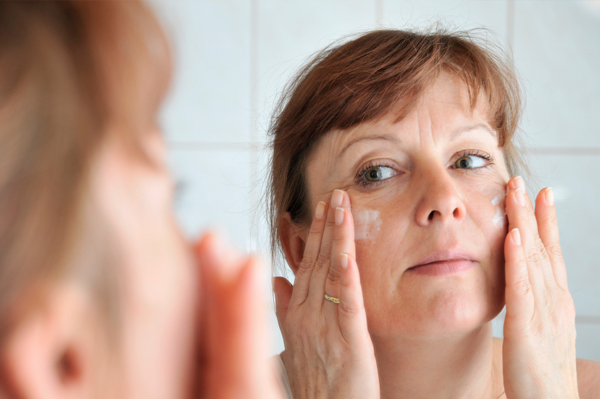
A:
{"points": [[443, 314], [458, 314]]}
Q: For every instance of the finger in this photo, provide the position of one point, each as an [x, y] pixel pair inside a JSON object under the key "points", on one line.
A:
{"points": [[238, 365], [343, 243], [220, 267], [311, 253], [519, 296], [521, 216], [352, 316], [545, 213], [218, 263], [317, 284], [283, 294], [215, 255]]}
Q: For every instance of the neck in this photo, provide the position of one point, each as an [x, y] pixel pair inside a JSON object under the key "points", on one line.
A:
{"points": [[460, 366]]}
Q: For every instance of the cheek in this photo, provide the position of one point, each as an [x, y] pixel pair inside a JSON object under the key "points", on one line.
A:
{"points": [[381, 232], [488, 213], [367, 224]]}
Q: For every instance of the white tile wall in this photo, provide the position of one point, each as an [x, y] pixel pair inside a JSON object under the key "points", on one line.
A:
{"points": [[213, 191], [290, 31], [234, 57], [210, 100], [557, 52], [452, 14], [572, 177]]}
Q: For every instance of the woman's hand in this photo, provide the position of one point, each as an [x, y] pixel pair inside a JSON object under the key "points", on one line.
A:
{"points": [[233, 338], [329, 353], [539, 329]]}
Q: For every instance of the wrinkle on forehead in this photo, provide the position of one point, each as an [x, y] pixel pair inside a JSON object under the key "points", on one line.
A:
{"points": [[443, 108]]}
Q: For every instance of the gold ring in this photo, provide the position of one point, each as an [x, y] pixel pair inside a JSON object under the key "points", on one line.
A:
{"points": [[332, 299]]}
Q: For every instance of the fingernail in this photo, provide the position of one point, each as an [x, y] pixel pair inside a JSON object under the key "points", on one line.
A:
{"points": [[520, 197], [549, 194], [344, 259], [339, 216], [227, 258], [516, 236], [520, 183], [337, 198], [320, 211]]}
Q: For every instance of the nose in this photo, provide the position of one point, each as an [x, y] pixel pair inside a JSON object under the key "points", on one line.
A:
{"points": [[440, 200]]}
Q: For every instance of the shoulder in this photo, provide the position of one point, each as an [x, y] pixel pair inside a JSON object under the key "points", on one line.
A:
{"points": [[588, 373], [588, 379]]}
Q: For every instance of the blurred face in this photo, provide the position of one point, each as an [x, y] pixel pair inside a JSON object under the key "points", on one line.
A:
{"points": [[158, 274], [427, 197]]}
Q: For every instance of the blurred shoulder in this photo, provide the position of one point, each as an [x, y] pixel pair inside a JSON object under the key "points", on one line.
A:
{"points": [[588, 379]]}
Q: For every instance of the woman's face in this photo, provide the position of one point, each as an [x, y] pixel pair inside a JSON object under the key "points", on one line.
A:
{"points": [[158, 308], [427, 188]]}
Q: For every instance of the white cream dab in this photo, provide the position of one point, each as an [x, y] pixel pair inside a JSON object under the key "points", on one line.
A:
{"points": [[366, 224], [498, 219]]}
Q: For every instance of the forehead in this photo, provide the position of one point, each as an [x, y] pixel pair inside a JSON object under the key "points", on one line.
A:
{"points": [[442, 113]]}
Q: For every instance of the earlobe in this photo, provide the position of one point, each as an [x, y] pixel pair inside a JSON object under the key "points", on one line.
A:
{"points": [[292, 242], [50, 353]]}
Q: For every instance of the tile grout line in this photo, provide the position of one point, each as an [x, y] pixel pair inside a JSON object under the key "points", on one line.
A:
{"points": [[254, 134], [253, 72], [563, 151], [379, 14], [595, 320], [510, 26]]}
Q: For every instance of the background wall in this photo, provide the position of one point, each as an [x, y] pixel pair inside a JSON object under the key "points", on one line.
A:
{"points": [[234, 56]]}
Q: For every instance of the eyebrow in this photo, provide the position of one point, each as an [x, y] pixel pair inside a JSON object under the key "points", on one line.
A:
{"points": [[465, 129], [382, 137]]}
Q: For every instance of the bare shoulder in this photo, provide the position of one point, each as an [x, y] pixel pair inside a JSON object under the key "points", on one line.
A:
{"points": [[588, 373], [588, 378]]}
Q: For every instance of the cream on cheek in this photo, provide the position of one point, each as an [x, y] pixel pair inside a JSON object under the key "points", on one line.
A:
{"points": [[500, 210], [367, 223]]}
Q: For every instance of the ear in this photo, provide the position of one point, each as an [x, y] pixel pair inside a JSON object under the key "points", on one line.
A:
{"points": [[53, 352], [292, 241]]}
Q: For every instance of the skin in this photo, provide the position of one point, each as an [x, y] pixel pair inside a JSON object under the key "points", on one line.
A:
{"points": [[430, 335], [192, 320]]}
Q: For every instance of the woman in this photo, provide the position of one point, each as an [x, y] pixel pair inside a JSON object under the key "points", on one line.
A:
{"points": [[393, 156], [100, 295]]}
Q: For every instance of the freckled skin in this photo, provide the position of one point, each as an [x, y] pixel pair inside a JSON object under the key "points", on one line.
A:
{"points": [[422, 150]]}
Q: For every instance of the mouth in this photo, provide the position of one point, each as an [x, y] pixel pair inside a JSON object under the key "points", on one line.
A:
{"points": [[443, 263]]}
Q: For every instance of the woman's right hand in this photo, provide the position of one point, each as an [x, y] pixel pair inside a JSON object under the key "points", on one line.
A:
{"points": [[329, 353], [233, 336]]}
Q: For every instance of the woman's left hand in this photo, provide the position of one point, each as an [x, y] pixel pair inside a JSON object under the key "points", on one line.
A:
{"points": [[539, 330]]}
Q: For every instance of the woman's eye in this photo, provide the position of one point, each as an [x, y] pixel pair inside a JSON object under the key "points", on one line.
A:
{"points": [[378, 173], [470, 162]]}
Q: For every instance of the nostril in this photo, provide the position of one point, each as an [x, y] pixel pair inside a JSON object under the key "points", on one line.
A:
{"points": [[430, 217], [456, 213]]}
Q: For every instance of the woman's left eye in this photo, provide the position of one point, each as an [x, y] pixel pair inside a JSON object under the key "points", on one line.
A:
{"points": [[471, 162], [378, 173]]}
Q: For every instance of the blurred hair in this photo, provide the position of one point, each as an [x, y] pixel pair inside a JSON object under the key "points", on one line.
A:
{"points": [[366, 78], [72, 73]]}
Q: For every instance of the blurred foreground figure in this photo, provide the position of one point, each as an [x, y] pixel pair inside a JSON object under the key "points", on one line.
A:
{"points": [[100, 295]]}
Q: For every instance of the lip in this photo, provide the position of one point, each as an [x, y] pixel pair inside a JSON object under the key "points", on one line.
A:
{"points": [[443, 263]]}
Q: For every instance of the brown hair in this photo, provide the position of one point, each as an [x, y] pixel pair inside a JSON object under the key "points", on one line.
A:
{"points": [[364, 79], [72, 73]]}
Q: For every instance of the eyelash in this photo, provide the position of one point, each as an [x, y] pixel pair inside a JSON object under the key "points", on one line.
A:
{"points": [[360, 176], [474, 153]]}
